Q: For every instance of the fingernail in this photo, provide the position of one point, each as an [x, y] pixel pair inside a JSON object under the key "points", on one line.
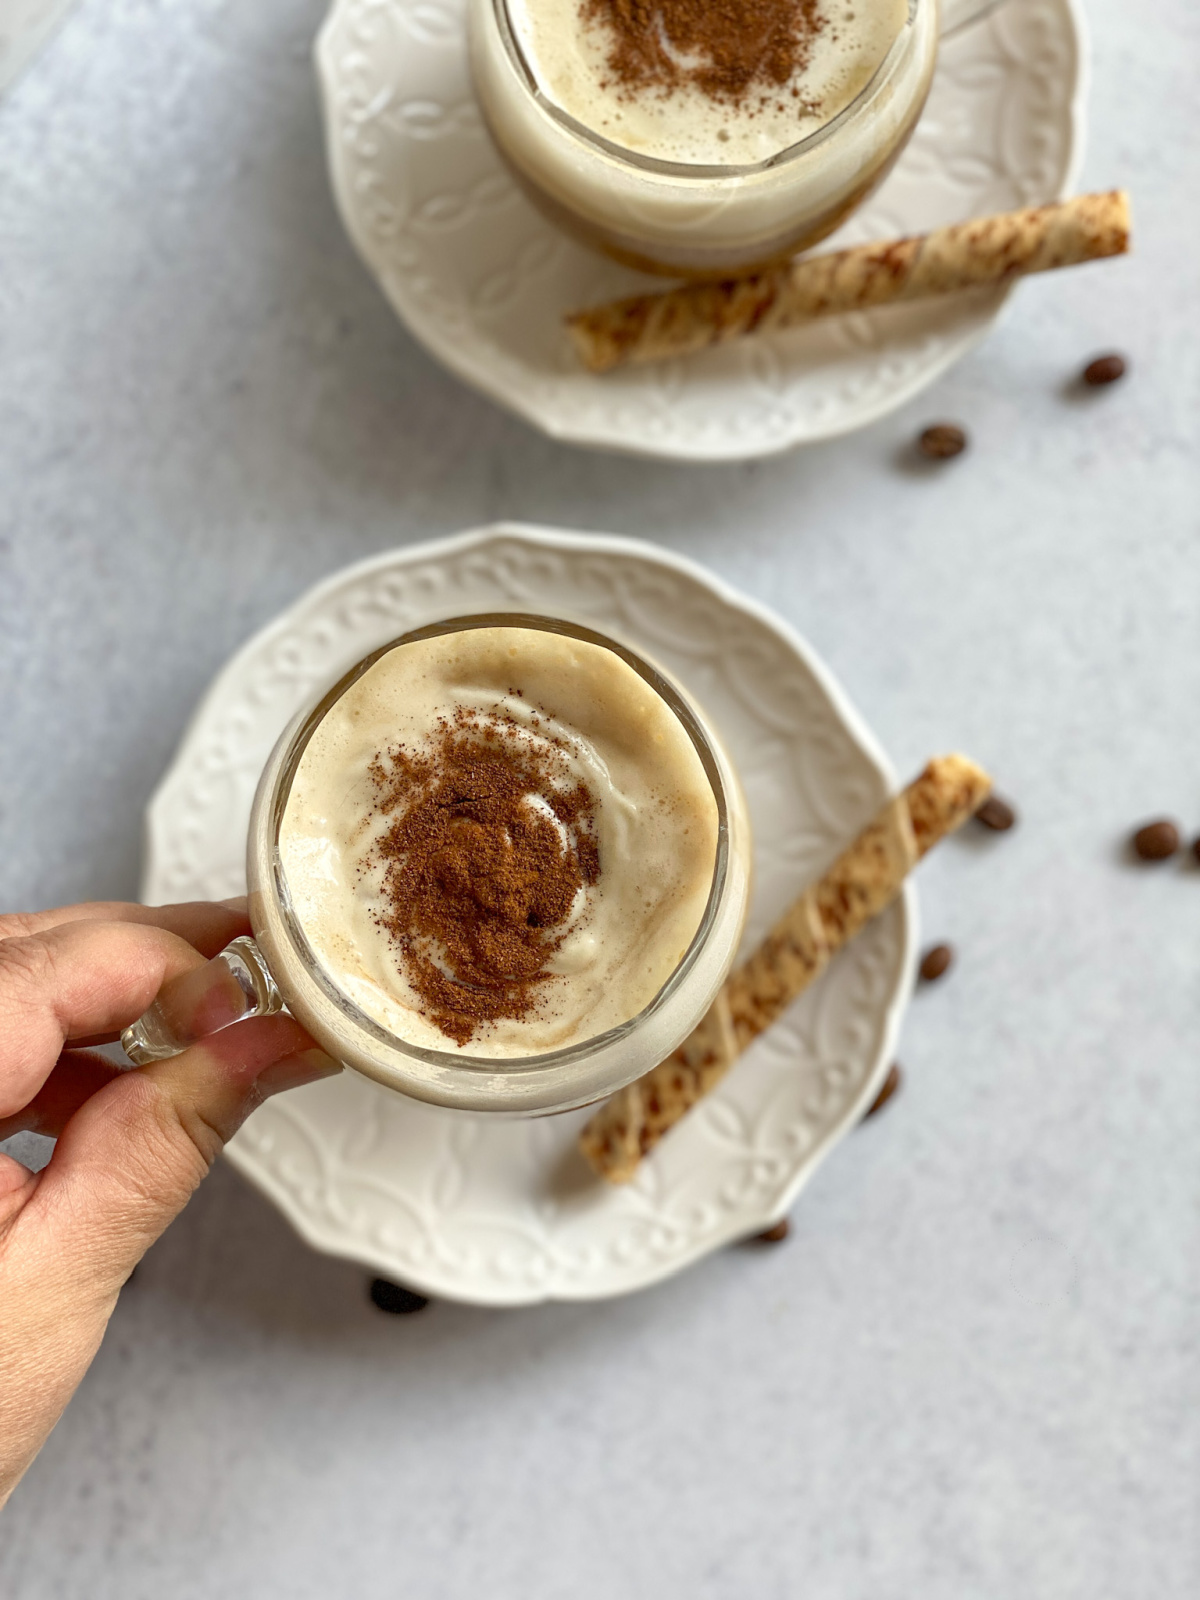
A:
{"points": [[306, 1066]]}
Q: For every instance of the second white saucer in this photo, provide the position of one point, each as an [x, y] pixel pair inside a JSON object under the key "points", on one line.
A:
{"points": [[484, 281]]}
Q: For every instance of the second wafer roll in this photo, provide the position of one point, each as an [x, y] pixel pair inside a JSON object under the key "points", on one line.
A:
{"points": [[968, 255]]}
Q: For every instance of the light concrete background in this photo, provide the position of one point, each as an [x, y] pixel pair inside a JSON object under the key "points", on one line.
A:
{"points": [[975, 1368], [25, 26]]}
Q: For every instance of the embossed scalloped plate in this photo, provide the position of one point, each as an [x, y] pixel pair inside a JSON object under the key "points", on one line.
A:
{"points": [[483, 280], [505, 1212]]}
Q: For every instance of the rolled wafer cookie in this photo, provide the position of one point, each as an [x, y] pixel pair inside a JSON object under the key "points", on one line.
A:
{"points": [[861, 883], [989, 250]]}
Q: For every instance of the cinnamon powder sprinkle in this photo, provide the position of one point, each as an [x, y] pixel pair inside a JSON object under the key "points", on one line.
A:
{"points": [[490, 845], [725, 48]]}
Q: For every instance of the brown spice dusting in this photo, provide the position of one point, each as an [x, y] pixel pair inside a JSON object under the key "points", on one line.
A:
{"points": [[725, 48], [490, 845]]}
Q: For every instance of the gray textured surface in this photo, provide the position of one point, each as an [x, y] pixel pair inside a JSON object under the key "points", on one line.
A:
{"points": [[25, 26], [974, 1369]]}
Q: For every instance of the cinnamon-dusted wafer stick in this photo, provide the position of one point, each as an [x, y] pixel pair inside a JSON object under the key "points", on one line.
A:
{"points": [[989, 250], [862, 882]]}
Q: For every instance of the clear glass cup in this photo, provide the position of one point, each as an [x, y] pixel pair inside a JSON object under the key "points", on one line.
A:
{"points": [[278, 967], [700, 221], [686, 219]]}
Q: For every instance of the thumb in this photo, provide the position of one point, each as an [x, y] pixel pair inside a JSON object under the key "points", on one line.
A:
{"points": [[130, 1158], [124, 1166]]}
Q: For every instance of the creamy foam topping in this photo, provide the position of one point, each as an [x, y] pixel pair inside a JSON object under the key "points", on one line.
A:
{"points": [[580, 714], [569, 49]]}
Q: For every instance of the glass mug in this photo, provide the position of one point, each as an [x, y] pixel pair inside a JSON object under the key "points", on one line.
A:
{"points": [[691, 220], [259, 976]]}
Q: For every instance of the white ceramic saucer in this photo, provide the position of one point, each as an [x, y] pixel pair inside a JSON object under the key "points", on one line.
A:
{"points": [[506, 1213], [483, 281]]}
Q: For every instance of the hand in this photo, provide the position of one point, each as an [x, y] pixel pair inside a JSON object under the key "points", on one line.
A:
{"points": [[132, 1144]]}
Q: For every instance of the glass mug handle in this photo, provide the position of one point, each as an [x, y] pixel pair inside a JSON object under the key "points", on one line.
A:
{"points": [[956, 14], [232, 987]]}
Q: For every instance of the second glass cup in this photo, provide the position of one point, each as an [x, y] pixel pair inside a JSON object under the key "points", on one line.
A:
{"points": [[690, 218], [281, 966]]}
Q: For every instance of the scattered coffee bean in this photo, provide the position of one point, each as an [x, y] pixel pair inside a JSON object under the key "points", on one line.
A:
{"points": [[937, 962], [996, 814], [895, 1077], [1196, 848], [1104, 369], [1156, 841], [775, 1235], [942, 441], [394, 1299]]}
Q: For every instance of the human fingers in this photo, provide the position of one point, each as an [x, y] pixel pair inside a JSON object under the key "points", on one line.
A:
{"points": [[129, 1158], [75, 1077], [206, 925], [192, 1005], [125, 1164], [76, 981]]}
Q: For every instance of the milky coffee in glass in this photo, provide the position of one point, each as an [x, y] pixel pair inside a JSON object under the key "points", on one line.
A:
{"points": [[503, 865], [698, 139]]}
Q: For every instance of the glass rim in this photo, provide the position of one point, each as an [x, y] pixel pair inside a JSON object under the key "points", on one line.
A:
{"points": [[703, 171], [567, 1055]]}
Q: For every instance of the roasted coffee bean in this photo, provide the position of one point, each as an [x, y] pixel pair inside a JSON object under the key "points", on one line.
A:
{"points": [[1196, 847], [937, 962], [895, 1077], [1104, 369], [1156, 841], [996, 814], [775, 1235], [394, 1299], [942, 441]]}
